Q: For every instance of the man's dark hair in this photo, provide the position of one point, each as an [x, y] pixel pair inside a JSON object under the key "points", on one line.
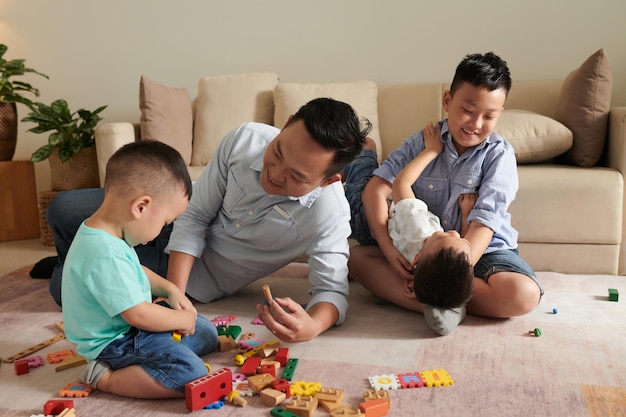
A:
{"points": [[147, 166], [336, 127], [444, 280], [488, 71]]}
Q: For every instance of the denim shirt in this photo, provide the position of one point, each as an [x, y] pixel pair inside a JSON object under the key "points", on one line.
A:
{"points": [[239, 233], [489, 169]]}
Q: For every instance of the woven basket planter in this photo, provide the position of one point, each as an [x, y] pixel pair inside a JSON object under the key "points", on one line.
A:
{"points": [[80, 171], [8, 130]]}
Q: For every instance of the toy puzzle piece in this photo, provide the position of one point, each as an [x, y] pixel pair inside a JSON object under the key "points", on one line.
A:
{"points": [[384, 382], [411, 380], [436, 378], [76, 389]]}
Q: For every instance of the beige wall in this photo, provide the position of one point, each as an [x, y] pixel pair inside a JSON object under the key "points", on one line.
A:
{"points": [[95, 51]]}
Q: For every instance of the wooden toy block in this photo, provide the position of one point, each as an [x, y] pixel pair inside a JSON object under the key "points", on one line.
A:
{"points": [[21, 366], [76, 389], [208, 389], [268, 369], [282, 385], [55, 407], [613, 294], [302, 406], [332, 395], [268, 351], [290, 369], [411, 380], [374, 408], [34, 348], [244, 388], [329, 406], [267, 293], [346, 410], [68, 412], [271, 397], [259, 382], [58, 357], [372, 395], [255, 351], [281, 412], [282, 356], [226, 343], [235, 398], [436, 378], [250, 366], [305, 388], [70, 362]]}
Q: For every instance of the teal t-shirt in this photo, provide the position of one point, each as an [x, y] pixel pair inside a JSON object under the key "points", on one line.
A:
{"points": [[102, 278]]}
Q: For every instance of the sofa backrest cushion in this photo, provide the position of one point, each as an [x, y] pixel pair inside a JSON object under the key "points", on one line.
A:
{"points": [[166, 115], [226, 101], [361, 95]]}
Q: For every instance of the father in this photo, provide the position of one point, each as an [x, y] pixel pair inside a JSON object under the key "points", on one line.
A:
{"points": [[267, 197]]}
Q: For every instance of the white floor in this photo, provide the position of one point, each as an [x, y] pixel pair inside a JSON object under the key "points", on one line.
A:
{"points": [[19, 253]]}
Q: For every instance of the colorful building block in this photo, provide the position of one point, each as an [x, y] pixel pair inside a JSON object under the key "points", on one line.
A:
{"points": [[55, 407], [34, 361], [283, 386], [208, 389], [60, 356], [282, 355], [436, 378], [374, 408], [21, 366], [290, 369], [411, 380], [302, 406], [259, 382], [272, 397], [613, 294], [250, 366], [384, 382], [346, 411], [76, 389], [281, 412]]}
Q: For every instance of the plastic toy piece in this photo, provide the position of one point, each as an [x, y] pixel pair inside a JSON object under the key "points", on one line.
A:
{"points": [[222, 320], [302, 406], [268, 369], [215, 405], [76, 389], [384, 382], [34, 348], [55, 407], [554, 311], [208, 389], [281, 412], [235, 398], [375, 408], [34, 361], [303, 388], [257, 320], [177, 336], [228, 330], [244, 388], [271, 397], [536, 332], [250, 366], [239, 359], [21, 366], [60, 356], [282, 385], [436, 378], [267, 293], [70, 362], [613, 294], [290, 369], [411, 380]]}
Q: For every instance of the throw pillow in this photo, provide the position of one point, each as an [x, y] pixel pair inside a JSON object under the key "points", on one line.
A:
{"points": [[584, 105], [226, 101], [534, 137], [166, 115], [361, 95]]}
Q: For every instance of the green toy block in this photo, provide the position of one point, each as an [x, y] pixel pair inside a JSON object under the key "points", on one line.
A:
{"points": [[613, 294], [228, 330]]}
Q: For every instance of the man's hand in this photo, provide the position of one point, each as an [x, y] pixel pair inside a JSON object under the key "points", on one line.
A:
{"points": [[288, 320]]}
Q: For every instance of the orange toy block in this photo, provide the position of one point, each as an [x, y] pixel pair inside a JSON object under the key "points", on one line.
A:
{"points": [[302, 406], [60, 356], [208, 389], [375, 408]]}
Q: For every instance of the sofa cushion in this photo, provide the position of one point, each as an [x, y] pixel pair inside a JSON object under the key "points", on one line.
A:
{"points": [[226, 101], [361, 95], [166, 115], [534, 137], [584, 105]]}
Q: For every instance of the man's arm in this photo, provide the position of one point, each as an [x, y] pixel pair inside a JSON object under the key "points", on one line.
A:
{"points": [[178, 269]]}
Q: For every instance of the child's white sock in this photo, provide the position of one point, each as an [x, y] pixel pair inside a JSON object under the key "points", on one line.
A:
{"points": [[93, 372], [443, 321]]}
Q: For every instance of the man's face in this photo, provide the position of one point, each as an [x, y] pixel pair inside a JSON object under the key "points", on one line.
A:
{"points": [[294, 164], [473, 113]]}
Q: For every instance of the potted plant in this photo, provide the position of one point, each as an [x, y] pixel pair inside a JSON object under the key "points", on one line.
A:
{"points": [[71, 145], [11, 92]]}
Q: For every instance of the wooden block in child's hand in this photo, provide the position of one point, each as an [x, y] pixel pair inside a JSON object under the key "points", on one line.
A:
{"points": [[267, 293]]}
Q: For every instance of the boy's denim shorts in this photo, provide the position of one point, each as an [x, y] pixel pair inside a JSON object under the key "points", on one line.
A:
{"points": [[357, 174], [504, 260], [170, 363]]}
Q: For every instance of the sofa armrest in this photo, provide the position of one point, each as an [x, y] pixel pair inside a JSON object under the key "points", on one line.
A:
{"points": [[109, 138], [616, 146]]}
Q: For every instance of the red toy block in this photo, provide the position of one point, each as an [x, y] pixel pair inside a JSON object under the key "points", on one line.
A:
{"points": [[251, 365], [282, 356], [411, 380], [283, 386], [55, 407], [268, 369], [208, 389], [375, 408], [21, 366]]}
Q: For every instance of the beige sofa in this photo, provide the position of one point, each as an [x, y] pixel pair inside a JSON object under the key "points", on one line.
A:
{"points": [[570, 218]]}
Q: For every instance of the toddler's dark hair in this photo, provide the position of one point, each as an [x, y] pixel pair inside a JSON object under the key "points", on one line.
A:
{"points": [[444, 280]]}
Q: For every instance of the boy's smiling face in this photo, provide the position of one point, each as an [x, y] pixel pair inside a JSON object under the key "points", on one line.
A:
{"points": [[473, 113]]}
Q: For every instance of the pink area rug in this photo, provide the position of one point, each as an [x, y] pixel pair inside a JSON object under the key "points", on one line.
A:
{"points": [[577, 367]]}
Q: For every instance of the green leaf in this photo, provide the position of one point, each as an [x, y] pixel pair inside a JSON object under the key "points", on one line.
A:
{"points": [[41, 153]]}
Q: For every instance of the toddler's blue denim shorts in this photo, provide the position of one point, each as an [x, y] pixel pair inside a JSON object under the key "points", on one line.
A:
{"points": [[357, 174], [505, 260], [170, 363]]}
